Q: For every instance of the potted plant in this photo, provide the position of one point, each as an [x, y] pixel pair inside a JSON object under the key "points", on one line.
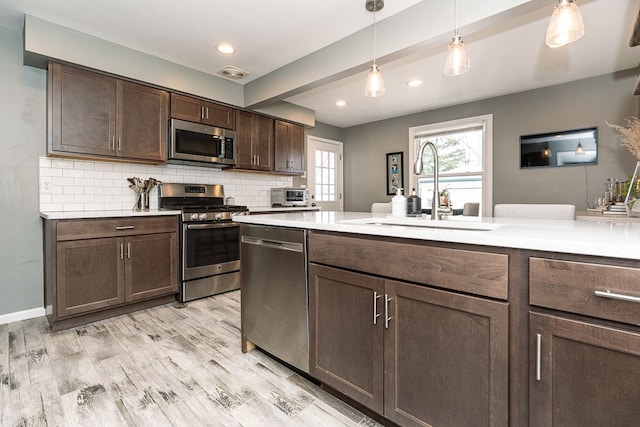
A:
{"points": [[631, 140]]}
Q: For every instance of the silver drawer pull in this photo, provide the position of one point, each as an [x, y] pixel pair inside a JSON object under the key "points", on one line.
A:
{"points": [[387, 318], [375, 307], [125, 227], [621, 297], [538, 356]]}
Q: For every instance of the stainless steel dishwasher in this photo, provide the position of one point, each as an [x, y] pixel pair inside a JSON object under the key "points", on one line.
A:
{"points": [[273, 264]]}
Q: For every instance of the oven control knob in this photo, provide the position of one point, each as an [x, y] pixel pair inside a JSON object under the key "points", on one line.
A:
{"points": [[218, 215], [194, 217], [202, 216]]}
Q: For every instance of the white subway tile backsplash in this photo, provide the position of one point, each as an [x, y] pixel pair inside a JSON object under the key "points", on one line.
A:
{"points": [[92, 185]]}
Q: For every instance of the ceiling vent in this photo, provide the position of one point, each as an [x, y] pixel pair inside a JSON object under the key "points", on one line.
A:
{"points": [[232, 72]]}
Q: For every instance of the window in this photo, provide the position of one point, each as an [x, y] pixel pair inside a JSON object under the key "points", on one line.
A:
{"points": [[464, 154], [325, 176]]}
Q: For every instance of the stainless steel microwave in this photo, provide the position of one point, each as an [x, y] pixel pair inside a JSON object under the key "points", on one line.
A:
{"points": [[201, 144], [289, 196]]}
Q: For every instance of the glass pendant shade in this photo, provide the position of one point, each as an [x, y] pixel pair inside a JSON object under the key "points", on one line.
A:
{"points": [[457, 61], [579, 150], [546, 153], [374, 85], [566, 24]]}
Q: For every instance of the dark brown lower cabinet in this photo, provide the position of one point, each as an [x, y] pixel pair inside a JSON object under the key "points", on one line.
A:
{"points": [[417, 355], [583, 373], [95, 268]]}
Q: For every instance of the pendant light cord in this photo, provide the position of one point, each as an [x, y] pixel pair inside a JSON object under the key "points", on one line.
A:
{"points": [[374, 33], [455, 17]]}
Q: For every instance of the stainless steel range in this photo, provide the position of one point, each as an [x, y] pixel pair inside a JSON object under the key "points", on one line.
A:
{"points": [[210, 239]]}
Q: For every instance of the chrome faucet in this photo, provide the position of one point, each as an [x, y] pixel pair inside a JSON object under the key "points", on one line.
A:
{"points": [[417, 169]]}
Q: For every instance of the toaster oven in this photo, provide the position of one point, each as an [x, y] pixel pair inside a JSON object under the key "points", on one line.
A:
{"points": [[289, 197]]}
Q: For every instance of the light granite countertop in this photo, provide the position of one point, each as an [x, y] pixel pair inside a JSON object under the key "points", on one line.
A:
{"points": [[104, 214], [601, 238]]}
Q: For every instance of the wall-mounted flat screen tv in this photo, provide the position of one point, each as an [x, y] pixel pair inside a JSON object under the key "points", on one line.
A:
{"points": [[565, 148]]}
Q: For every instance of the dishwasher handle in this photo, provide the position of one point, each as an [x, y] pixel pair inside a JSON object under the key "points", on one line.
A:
{"points": [[273, 244]]}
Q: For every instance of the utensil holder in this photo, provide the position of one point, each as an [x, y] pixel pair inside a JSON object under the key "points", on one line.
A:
{"points": [[142, 202]]}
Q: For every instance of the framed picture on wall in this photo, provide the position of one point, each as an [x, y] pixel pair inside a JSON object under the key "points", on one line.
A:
{"points": [[395, 176]]}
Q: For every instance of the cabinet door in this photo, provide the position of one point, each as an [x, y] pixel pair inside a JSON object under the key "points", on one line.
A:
{"points": [[345, 344], [281, 146], [263, 142], [219, 115], [582, 374], [82, 111], [186, 108], [296, 149], [142, 118], [446, 358], [89, 275], [151, 267], [244, 141]]}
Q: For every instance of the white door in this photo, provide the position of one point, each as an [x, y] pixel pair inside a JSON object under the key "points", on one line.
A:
{"points": [[324, 173]]}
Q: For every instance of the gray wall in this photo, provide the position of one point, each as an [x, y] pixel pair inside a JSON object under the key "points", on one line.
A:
{"points": [[579, 104], [23, 122]]}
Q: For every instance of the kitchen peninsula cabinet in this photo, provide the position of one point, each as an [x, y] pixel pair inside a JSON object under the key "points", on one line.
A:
{"points": [[289, 148], [99, 116], [200, 111], [584, 370], [254, 137], [96, 268], [416, 354]]}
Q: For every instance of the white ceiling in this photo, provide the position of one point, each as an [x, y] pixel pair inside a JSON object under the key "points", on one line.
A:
{"points": [[314, 53]]}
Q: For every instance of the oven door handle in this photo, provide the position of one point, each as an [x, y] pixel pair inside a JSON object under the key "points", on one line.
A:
{"points": [[210, 226], [274, 244]]}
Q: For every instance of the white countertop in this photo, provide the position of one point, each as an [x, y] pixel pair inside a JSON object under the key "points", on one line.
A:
{"points": [[103, 214], [605, 238]]}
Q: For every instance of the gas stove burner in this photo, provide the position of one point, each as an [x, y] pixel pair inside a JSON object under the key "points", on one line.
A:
{"points": [[198, 202]]}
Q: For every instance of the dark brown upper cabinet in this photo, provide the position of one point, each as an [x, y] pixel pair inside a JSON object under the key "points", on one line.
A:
{"points": [[254, 133], [289, 148], [200, 111], [96, 115]]}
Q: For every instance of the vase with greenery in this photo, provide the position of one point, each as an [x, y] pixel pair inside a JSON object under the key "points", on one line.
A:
{"points": [[631, 140]]}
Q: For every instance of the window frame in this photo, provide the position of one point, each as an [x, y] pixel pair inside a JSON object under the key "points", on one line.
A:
{"points": [[486, 121]]}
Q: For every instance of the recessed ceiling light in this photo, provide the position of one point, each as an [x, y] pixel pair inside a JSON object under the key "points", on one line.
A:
{"points": [[414, 83], [341, 103], [225, 48]]}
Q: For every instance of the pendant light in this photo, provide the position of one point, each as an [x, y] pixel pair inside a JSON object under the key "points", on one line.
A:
{"points": [[457, 61], [374, 85], [579, 149], [566, 24], [546, 152]]}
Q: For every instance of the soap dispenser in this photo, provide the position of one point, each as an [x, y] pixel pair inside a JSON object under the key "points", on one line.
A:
{"points": [[414, 204], [399, 204]]}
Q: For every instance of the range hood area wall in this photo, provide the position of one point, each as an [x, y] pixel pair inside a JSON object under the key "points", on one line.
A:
{"points": [[579, 104]]}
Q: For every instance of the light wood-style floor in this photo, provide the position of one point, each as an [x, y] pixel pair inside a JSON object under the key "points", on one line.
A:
{"points": [[168, 365]]}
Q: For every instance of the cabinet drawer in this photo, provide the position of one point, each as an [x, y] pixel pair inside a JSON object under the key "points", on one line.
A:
{"points": [[95, 228], [475, 272], [590, 289]]}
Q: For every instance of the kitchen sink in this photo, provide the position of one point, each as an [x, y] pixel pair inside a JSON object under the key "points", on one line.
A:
{"points": [[424, 223]]}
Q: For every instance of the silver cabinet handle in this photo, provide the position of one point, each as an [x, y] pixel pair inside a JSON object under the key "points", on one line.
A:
{"points": [[112, 146], [258, 161], [538, 356], [387, 318], [119, 144], [613, 295], [375, 307], [125, 227], [121, 250], [129, 250], [202, 112], [207, 110]]}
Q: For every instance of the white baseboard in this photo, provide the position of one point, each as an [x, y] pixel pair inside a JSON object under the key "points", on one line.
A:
{"points": [[21, 315]]}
